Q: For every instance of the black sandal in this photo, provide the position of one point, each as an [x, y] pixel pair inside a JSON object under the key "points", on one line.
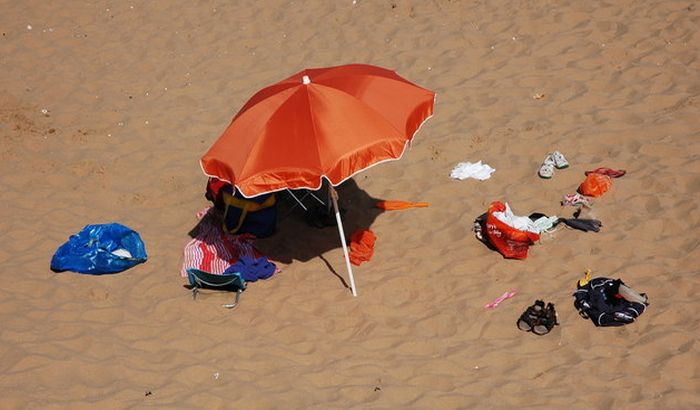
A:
{"points": [[538, 318]]}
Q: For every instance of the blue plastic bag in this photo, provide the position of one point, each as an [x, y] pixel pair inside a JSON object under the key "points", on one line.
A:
{"points": [[98, 249]]}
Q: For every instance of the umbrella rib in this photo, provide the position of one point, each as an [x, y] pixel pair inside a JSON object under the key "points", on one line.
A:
{"points": [[315, 130]]}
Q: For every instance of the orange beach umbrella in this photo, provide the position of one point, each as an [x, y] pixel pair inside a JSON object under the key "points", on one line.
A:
{"points": [[319, 123]]}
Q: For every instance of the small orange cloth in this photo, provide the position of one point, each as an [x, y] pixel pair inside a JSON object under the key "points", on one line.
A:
{"points": [[361, 246], [397, 205], [595, 185]]}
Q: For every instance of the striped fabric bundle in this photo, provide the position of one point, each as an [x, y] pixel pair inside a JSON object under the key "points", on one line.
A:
{"points": [[213, 250]]}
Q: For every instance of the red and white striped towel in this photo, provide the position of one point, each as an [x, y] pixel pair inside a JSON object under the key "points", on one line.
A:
{"points": [[213, 250]]}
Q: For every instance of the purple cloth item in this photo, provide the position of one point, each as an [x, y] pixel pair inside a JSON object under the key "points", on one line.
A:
{"points": [[252, 269]]}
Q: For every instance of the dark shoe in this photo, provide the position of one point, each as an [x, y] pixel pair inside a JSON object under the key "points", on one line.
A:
{"points": [[538, 318]]}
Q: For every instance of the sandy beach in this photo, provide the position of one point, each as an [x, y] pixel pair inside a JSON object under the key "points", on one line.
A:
{"points": [[106, 108]]}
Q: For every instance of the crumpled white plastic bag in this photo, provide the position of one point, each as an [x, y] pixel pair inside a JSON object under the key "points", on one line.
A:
{"points": [[524, 223], [476, 170]]}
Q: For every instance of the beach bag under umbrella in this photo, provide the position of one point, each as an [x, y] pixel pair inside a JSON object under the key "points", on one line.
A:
{"points": [[322, 123]]}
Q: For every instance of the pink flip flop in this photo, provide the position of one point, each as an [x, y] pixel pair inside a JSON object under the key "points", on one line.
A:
{"points": [[607, 171], [495, 303]]}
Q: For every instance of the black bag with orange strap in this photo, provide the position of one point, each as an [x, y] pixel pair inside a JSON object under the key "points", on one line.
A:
{"points": [[257, 215]]}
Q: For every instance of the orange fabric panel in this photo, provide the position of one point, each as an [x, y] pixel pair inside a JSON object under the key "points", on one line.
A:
{"points": [[398, 205]]}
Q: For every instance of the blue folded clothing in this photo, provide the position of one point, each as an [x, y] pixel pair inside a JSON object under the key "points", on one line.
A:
{"points": [[252, 269]]}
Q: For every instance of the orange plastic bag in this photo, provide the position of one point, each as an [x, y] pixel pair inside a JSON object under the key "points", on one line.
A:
{"points": [[361, 246], [595, 185], [395, 205], [510, 242]]}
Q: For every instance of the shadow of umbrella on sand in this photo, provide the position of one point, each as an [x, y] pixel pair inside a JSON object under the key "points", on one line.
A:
{"points": [[295, 239], [321, 124]]}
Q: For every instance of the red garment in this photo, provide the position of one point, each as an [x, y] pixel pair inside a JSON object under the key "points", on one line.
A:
{"points": [[361, 246], [214, 187], [607, 171]]}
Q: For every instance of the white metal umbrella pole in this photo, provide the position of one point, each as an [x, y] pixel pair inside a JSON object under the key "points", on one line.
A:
{"points": [[334, 197]]}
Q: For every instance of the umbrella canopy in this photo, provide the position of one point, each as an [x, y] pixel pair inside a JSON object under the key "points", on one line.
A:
{"points": [[323, 122], [319, 123]]}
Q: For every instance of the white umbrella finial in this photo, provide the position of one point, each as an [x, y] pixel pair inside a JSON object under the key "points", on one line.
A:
{"points": [[306, 80]]}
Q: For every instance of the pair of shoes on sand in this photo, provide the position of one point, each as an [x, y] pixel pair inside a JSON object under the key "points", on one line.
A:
{"points": [[538, 318], [553, 160]]}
